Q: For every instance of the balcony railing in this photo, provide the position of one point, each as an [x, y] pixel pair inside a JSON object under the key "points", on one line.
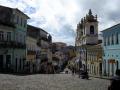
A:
{"points": [[11, 44]]}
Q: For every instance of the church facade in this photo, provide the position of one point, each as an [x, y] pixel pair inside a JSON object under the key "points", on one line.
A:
{"points": [[88, 47]]}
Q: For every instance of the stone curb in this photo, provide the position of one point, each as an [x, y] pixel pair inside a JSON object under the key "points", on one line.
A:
{"points": [[100, 77]]}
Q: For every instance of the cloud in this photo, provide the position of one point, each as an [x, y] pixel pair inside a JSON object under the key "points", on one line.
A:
{"points": [[60, 17], [107, 11], [30, 10]]}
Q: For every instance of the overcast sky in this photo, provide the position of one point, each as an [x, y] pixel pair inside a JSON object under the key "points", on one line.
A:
{"points": [[60, 17]]}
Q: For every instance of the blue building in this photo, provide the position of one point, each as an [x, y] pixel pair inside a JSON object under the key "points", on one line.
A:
{"points": [[111, 50]]}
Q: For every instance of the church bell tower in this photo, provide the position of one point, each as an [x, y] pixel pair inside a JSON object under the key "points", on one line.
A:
{"points": [[91, 29], [87, 30]]}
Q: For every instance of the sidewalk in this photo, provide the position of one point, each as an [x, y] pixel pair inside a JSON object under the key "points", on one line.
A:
{"points": [[101, 77]]}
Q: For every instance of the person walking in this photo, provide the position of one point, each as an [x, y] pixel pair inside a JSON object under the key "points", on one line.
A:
{"points": [[115, 82], [73, 69]]}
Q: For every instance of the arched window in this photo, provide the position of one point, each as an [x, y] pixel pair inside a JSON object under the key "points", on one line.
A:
{"points": [[91, 29]]}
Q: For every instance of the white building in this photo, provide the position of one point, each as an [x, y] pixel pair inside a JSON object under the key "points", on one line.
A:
{"points": [[87, 30]]}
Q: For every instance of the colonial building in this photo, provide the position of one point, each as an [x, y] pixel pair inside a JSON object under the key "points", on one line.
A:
{"points": [[33, 49], [58, 55], [62, 54], [46, 44], [86, 43], [39, 46], [111, 47], [94, 59], [13, 28]]}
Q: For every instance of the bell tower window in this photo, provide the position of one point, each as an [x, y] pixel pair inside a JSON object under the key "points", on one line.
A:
{"points": [[91, 29]]}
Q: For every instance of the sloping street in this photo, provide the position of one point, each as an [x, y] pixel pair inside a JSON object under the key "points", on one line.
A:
{"points": [[50, 82]]}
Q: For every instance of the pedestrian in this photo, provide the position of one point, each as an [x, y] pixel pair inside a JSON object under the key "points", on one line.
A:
{"points": [[115, 82], [73, 70]]}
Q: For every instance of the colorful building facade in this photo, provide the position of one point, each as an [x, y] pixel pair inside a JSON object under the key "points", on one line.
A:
{"points": [[111, 47], [33, 49], [94, 59], [13, 28]]}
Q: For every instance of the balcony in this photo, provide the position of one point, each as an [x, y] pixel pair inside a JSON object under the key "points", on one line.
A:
{"points": [[44, 38], [31, 52], [12, 44]]}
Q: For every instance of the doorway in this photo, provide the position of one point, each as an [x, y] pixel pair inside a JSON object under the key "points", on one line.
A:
{"points": [[100, 69], [8, 62], [1, 63]]}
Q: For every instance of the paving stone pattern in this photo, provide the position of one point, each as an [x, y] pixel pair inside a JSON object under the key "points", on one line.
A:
{"points": [[50, 82]]}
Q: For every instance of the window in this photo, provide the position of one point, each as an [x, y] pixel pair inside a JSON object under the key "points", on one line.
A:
{"points": [[17, 37], [25, 23], [84, 31], [21, 21], [112, 40], [92, 29], [17, 19], [8, 36], [1, 35], [108, 41], [104, 63], [20, 38], [104, 41], [117, 38], [8, 60], [24, 39], [104, 54]]}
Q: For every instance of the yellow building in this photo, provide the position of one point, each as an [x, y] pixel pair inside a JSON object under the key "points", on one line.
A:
{"points": [[31, 53], [94, 59]]}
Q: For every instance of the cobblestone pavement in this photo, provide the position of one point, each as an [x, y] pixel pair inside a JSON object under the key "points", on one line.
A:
{"points": [[50, 82]]}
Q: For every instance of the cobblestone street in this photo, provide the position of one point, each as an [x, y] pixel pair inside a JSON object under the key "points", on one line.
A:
{"points": [[50, 82]]}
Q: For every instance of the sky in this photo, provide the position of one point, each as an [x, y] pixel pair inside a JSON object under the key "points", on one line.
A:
{"points": [[60, 17]]}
